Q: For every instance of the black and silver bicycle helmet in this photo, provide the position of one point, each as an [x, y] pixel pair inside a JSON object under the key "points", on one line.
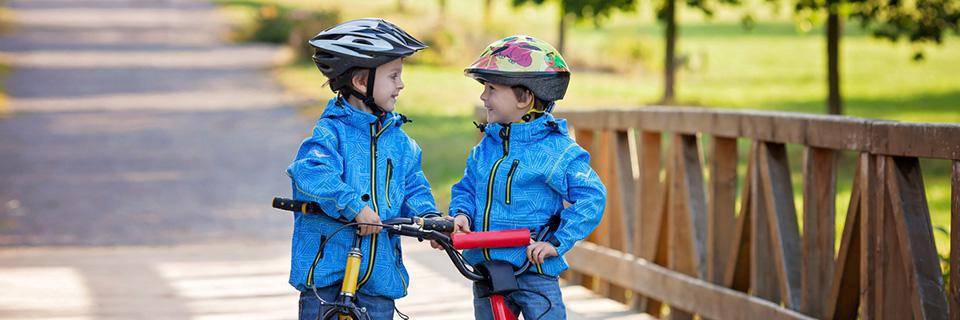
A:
{"points": [[361, 43]]}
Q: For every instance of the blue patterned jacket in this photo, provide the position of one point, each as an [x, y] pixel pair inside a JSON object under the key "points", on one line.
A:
{"points": [[518, 176], [350, 162]]}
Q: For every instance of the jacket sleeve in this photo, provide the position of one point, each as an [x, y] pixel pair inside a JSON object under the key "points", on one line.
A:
{"points": [[579, 185], [317, 172], [463, 194], [418, 200]]}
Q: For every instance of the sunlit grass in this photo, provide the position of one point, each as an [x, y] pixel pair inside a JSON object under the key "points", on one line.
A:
{"points": [[774, 66]]}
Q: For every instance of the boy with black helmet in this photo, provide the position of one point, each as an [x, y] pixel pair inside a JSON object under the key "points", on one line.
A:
{"points": [[358, 165]]}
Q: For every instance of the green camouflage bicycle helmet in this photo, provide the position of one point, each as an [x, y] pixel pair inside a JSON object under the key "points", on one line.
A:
{"points": [[525, 61]]}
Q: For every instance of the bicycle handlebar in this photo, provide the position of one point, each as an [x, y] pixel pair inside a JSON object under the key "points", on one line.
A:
{"points": [[431, 229]]}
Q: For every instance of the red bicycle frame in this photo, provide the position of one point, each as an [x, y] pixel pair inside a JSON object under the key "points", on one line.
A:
{"points": [[493, 239]]}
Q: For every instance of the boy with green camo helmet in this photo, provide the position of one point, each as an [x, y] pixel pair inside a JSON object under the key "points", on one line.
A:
{"points": [[523, 170]]}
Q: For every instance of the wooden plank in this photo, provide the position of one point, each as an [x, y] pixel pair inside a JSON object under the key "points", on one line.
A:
{"points": [[654, 307], [602, 234], [652, 193], [926, 140], [688, 212], [586, 138], [737, 271], [614, 226], [650, 208], [915, 235], [778, 192], [627, 192], [843, 301], [683, 291], [892, 281], [869, 182], [721, 221], [691, 209], [819, 221], [955, 242], [763, 279]]}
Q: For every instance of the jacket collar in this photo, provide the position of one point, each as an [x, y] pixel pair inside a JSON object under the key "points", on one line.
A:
{"points": [[340, 109], [522, 132]]}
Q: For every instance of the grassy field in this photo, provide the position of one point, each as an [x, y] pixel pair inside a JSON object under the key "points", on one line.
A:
{"points": [[774, 66]]}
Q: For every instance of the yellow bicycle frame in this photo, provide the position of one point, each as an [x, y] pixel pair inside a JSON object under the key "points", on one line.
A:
{"points": [[351, 273]]}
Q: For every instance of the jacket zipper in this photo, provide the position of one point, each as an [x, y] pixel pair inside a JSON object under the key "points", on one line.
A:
{"points": [[389, 176], [373, 199], [513, 169], [505, 136]]}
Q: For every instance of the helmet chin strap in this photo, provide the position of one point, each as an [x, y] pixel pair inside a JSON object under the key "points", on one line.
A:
{"points": [[368, 98]]}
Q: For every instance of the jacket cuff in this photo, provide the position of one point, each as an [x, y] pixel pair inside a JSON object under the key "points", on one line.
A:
{"points": [[459, 212], [352, 209], [564, 247]]}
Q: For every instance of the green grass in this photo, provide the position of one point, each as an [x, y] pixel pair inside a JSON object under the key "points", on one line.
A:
{"points": [[775, 66]]}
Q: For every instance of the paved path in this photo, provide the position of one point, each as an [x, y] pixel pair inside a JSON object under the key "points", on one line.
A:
{"points": [[134, 123], [136, 168]]}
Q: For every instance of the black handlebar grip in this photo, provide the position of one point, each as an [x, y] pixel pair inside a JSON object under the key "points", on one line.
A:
{"points": [[438, 224], [307, 207]]}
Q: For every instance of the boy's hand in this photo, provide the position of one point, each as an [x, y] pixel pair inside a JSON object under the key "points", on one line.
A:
{"points": [[539, 251], [460, 224], [367, 215]]}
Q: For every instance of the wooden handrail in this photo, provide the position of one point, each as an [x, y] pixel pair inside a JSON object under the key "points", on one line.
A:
{"points": [[675, 225]]}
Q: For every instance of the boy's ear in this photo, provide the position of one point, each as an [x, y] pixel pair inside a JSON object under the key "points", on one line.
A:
{"points": [[359, 82], [526, 100]]}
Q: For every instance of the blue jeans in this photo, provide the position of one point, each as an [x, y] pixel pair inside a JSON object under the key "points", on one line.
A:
{"points": [[530, 304], [378, 308]]}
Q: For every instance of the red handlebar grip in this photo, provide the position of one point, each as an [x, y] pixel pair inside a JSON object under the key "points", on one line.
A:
{"points": [[491, 239]]}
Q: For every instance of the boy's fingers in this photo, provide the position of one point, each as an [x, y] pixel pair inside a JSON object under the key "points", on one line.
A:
{"points": [[535, 253]]}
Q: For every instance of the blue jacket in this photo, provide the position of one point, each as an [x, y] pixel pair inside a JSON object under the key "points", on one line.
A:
{"points": [[518, 176], [350, 162]]}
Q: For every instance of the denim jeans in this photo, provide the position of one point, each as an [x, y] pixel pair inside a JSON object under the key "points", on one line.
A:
{"points": [[378, 308], [531, 305]]}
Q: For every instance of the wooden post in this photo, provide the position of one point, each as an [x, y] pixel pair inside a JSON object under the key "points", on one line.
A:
{"points": [[613, 227], [914, 234], [819, 216], [737, 272], [893, 298], [778, 191], [585, 138], [763, 272], [687, 213], [721, 221], [650, 221], [869, 183]]}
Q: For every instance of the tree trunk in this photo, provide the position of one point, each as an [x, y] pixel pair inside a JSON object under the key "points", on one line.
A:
{"points": [[669, 69], [562, 33], [400, 6], [834, 101]]}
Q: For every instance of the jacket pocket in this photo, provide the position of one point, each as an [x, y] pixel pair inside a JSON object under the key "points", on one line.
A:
{"points": [[389, 177], [513, 170], [399, 256]]}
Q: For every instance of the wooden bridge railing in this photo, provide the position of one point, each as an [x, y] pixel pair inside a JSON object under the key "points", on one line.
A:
{"points": [[671, 236]]}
